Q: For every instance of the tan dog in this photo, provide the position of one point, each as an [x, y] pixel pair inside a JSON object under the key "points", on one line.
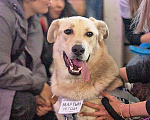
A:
{"points": [[83, 67]]}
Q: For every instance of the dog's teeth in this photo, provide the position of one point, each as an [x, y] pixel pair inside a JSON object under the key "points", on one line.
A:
{"points": [[71, 68], [79, 68], [71, 62], [76, 71]]}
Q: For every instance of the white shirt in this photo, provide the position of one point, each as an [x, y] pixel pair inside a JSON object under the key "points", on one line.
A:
{"points": [[125, 9]]}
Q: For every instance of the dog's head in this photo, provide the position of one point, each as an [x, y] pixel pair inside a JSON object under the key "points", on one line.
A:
{"points": [[77, 39]]}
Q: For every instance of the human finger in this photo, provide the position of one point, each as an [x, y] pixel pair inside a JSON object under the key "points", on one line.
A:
{"points": [[47, 102], [93, 105], [39, 100], [110, 97], [102, 113], [48, 108], [40, 108], [45, 108], [104, 118], [101, 118], [40, 111]]}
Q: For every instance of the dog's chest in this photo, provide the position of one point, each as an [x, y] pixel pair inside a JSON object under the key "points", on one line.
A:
{"points": [[122, 95], [70, 110]]}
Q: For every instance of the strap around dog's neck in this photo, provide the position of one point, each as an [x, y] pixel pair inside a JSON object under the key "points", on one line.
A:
{"points": [[122, 93], [70, 117]]}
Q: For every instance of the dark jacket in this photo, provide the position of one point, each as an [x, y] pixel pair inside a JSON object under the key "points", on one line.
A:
{"points": [[133, 38], [140, 72], [20, 50], [48, 47]]}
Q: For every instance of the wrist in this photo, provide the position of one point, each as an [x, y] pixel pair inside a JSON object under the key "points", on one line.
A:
{"points": [[125, 110], [123, 74]]}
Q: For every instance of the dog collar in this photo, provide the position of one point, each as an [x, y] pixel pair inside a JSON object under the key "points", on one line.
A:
{"points": [[70, 117]]}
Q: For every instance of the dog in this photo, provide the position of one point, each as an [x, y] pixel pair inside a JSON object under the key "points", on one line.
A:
{"points": [[83, 67]]}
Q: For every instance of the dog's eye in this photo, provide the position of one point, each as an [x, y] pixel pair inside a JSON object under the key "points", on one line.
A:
{"points": [[68, 31], [89, 34]]}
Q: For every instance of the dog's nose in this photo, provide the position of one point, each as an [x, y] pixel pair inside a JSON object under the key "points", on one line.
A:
{"points": [[78, 50]]}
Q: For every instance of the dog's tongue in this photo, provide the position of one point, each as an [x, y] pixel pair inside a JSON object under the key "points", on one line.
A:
{"points": [[84, 71]]}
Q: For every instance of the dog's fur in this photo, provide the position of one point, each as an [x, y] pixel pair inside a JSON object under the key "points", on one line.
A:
{"points": [[103, 70]]}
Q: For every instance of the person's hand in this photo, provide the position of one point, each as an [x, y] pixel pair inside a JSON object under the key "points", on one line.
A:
{"points": [[42, 107], [101, 112], [123, 74], [47, 94], [145, 38], [42, 110], [114, 102]]}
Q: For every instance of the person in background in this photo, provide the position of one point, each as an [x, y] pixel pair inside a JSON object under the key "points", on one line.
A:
{"points": [[58, 9], [94, 8], [23, 80], [140, 72], [128, 10]]}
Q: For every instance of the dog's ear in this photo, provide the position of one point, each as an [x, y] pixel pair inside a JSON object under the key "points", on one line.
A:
{"points": [[52, 31], [102, 27]]}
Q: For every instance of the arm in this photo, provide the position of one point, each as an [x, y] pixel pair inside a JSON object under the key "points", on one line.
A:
{"points": [[123, 74], [127, 110], [17, 77], [145, 38], [139, 72], [14, 76], [136, 73]]}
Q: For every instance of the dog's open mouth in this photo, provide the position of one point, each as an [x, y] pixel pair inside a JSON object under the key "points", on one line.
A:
{"points": [[77, 67]]}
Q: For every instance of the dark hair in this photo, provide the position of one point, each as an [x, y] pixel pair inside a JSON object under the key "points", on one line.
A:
{"points": [[67, 12]]}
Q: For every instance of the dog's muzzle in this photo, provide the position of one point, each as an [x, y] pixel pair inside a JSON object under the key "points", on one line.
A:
{"points": [[71, 64], [76, 66]]}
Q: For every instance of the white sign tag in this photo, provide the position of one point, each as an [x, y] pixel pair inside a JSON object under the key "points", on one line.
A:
{"points": [[69, 107]]}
